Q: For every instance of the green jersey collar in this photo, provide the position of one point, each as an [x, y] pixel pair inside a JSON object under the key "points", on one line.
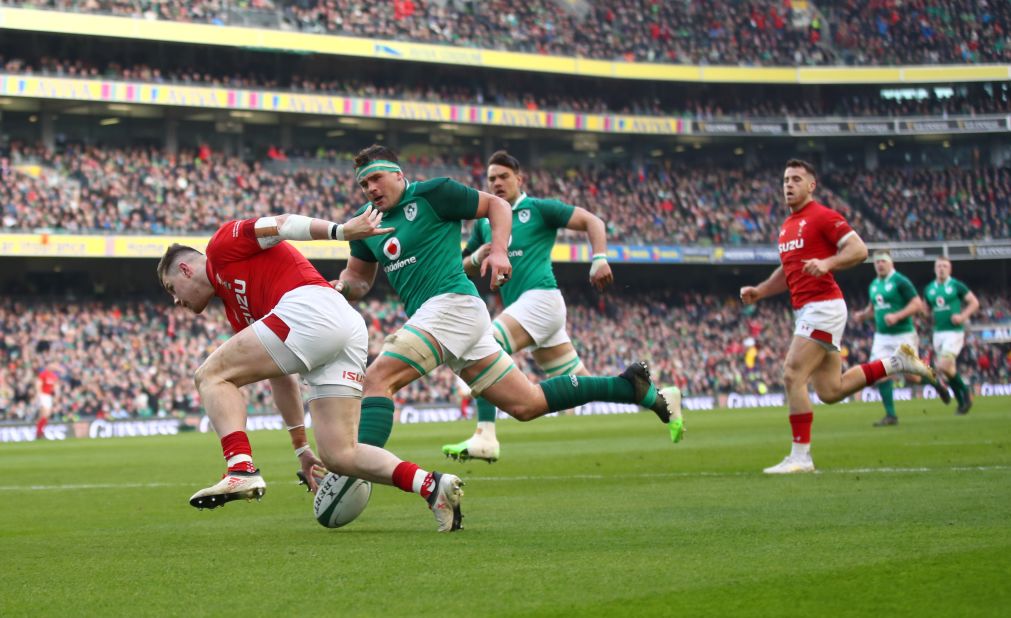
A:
{"points": [[519, 200]]}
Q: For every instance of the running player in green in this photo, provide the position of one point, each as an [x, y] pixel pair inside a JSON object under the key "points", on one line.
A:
{"points": [[893, 302], [952, 303], [448, 321], [534, 314]]}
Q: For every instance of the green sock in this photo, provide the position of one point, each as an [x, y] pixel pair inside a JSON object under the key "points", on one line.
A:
{"points": [[569, 391], [957, 385], [485, 411], [885, 388], [377, 421]]}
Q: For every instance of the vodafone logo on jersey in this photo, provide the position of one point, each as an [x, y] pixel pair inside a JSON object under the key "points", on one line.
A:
{"points": [[392, 248]]}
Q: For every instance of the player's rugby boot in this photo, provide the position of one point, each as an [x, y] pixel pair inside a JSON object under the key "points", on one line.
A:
{"points": [[911, 364], [965, 406], [232, 486], [445, 501], [887, 421], [647, 396], [677, 422], [475, 447], [792, 464]]}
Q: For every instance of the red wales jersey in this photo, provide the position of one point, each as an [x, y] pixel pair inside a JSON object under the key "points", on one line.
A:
{"points": [[249, 279], [813, 232], [48, 381]]}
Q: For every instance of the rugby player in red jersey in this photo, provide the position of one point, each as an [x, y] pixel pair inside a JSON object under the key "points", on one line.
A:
{"points": [[814, 242], [298, 325]]}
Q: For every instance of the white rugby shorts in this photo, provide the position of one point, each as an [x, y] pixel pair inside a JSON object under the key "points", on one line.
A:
{"points": [[948, 342], [542, 314], [314, 332], [822, 321], [461, 325], [887, 345]]}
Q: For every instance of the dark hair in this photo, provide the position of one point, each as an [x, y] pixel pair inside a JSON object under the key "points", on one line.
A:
{"points": [[804, 164], [503, 158], [171, 257], [375, 152]]}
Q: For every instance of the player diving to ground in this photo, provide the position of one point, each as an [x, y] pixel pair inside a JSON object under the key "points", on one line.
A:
{"points": [[289, 321]]}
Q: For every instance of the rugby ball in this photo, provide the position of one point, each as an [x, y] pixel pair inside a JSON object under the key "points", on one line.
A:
{"points": [[340, 499]]}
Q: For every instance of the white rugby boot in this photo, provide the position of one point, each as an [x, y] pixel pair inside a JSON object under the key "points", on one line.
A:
{"points": [[792, 464], [232, 486], [444, 501]]}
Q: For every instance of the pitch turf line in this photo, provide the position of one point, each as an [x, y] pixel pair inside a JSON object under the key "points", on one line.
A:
{"points": [[572, 477]]}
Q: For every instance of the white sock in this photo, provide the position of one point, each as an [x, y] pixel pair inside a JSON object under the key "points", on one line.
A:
{"points": [[237, 459], [892, 365], [800, 449], [485, 429], [419, 481]]}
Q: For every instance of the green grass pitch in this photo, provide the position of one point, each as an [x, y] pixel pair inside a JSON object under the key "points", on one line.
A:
{"points": [[583, 516]]}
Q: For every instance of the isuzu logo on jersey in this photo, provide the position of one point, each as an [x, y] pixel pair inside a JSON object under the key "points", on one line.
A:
{"points": [[243, 300], [411, 211], [391, 248], [797, 243], [524, 215]]}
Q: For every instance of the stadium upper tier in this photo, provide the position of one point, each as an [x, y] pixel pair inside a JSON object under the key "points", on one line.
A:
{"points": [[148, 191], [126, 359], [537, 93], [715, 32]]}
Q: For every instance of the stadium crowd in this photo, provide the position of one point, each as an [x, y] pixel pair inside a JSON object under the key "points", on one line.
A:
{"points": [[533, 93], [762, 32], [148, 191], [136, 358]]}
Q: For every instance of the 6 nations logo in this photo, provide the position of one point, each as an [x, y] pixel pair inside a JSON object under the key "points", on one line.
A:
{"points": [[391, 248]]}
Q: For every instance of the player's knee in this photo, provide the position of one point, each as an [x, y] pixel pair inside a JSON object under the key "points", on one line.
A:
{"points": [[338, 461], [828, 395], [204, 375]]}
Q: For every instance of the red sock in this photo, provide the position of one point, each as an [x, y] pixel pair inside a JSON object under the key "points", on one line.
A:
{"points": [[238, 453], [40, 426], [801, 425], [873, 371], [411, 478]]}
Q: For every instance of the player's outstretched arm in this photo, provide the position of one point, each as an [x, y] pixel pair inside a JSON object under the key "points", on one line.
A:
{"points": [[583, 220], [300, 227], [356, 280], [775, 284]]}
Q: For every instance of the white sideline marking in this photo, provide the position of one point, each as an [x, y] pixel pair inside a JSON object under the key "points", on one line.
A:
{"points": [[585, 477]]}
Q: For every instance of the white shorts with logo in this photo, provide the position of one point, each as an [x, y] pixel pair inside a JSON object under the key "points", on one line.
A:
{"points": [[949, 342], [314, 332], [461, 325], [45, 401], [542, 314], [822, 321], [887, 345]]}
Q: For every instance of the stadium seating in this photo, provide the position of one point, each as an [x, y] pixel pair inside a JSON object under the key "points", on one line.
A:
{"points": [[767, 32], [137, 357], [148, 191]]}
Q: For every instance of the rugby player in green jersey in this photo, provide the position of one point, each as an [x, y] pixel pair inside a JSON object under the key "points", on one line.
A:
{"points": [[448, 321], [951, 303], [534, 315], [893, 301]]}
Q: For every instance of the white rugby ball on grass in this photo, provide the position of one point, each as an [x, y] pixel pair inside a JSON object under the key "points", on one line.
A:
{"points": [[340, 499]]}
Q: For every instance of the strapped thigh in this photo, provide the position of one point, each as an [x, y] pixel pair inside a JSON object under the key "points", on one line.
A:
{"points": [[491, 374], [411, 346], [502, 335], [565, 364]]}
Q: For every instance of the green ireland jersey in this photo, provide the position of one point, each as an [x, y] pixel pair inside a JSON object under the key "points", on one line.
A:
{"points": [[889, 295], [535, 226], [945, 300], [421, 256]]}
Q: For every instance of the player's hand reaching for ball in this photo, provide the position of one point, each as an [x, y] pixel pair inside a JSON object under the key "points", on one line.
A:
{"points": [[750, 295], [365, 225], [313, 470], [501, 270]]}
